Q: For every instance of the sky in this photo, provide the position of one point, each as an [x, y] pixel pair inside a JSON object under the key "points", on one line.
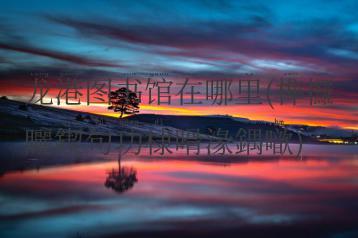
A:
{"points": [[199, 40]]}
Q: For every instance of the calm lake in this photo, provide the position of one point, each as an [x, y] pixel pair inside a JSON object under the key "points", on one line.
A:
{"points": [[315, 195]]}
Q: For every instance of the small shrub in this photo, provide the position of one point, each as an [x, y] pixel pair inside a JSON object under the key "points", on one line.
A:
{"points": [[79, 117], [23, 107]]}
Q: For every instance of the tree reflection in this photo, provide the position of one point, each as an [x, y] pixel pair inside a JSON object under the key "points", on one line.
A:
{"points": [[121, 180]]}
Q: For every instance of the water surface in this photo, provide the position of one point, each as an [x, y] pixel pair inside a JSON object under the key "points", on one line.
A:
{"points": [[313, 196]]}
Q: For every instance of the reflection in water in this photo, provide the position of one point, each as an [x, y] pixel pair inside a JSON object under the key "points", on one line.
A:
{"points": [[187, 197], [121, 180]]}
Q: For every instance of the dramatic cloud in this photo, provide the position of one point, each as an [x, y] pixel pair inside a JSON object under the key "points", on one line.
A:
{"points": [[58, 55], [195, 39]]}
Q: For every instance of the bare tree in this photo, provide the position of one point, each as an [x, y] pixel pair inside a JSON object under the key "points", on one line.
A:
{"points": [[125, 101]]}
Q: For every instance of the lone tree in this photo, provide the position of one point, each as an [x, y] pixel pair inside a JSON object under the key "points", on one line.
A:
{"points": [[124, 100]]}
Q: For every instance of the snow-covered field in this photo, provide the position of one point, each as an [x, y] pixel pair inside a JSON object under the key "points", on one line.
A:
{"points": [[19, 117]]}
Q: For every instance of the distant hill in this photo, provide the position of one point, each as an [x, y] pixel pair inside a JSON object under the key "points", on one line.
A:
{"points": [[209, 124], [202, 122], [16, 117]]}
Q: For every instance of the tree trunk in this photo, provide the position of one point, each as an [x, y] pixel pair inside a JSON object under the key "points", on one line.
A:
{"points": [[122, 109]]}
